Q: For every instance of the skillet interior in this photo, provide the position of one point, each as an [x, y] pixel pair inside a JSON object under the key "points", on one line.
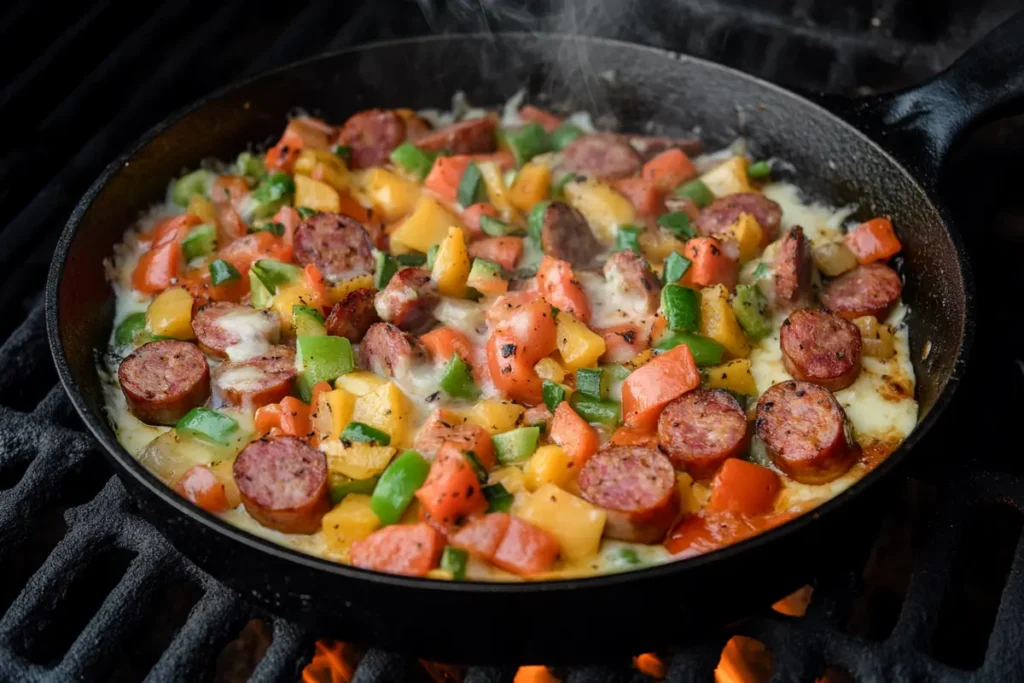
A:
{"points": [[634, 84]]}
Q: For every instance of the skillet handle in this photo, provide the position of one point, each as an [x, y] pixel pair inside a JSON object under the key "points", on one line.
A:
{"points": [[920, 124]]}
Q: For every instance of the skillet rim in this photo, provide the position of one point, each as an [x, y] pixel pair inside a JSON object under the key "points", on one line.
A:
{"points": [[125, 464]]}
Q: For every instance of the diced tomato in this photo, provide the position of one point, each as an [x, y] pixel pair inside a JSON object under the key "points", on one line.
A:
{"points": [[243, 252], [874, 240], [711, 530], [483, 535], [290, 219], [630, 436], [560, 287], [652, 386], [452, 490], [200, 485], [668, 170], [289, 417], [525, 549], [532, 114], [162, 263], [230, 225], [471, 216], [228, 190], [446, 174], [577, 438], [502, 250], [351, 207], [645, 197], [316, 286], [407, 549], [521, 336], [710, 265], [741, 486], [444, 342], [282, 156]]}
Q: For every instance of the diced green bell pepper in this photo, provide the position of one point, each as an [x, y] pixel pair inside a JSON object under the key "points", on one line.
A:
{"points": [[259, 294], [471, 187], [308, 321], [527, 142], [221, 271], [341, 486], [190, 185], [413, 160], [432, 256], [615, 372], [593, 409], [207, 425], [250, 164], [343, 152], [627, 238], [397, 486], [759, 170], [681, 307], [678, 223], [696, 191], [457, 380], [454, 560], [275, 229], [484, 271], [413, 259], [705, 351], [494, 227], [321, 359], [498, 498], [273, 192], [751, 308], [553, 394], [383, 270], [200, 241], [761, 271], [676, 266], [273, 273], [478, 467], [591, 381], [306, 212], [364, 433], [535, 219], [129, 328], [516, 446], [565, 133], [510, 176]]}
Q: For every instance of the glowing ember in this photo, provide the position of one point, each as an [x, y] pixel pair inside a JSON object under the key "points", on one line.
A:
{"points": [[535, 674], [329, 664], [744, 660], [650, 664]]}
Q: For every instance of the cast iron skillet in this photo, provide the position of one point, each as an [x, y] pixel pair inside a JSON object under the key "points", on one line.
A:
{"points": [[885, 159]]}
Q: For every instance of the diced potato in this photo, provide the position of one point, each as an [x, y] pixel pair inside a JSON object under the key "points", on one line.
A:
{"points": [[497, 192], [656, 245], [452, 264], [322, 165], [202, 208], [690, 500], [358, 460], [531, 185], [734, 376], [833, 258], [288, 296], [603, 207], [427, 226], [576, 524], [360, 382], [510, 477], [548, 465], [876, 339], [171, 454], [332, 412], [728, 178], [718, 321], [387, 409], [747, 234], [315, 194], [579, 345], [170, 314], [339, 291], [392, 195], [549, 369], [351, 520], [224, 471], [495, 416]]}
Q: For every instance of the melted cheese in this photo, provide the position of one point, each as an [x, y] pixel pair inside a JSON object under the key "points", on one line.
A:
{"points": [[253, 329]]}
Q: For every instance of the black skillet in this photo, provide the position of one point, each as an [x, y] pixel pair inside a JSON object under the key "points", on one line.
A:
{"points": [[884, 157]]}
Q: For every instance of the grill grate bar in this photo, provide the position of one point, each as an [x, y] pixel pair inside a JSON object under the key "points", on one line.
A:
{"points": [[489, 674], [378, 665], [1004, 651], [286, 655]]}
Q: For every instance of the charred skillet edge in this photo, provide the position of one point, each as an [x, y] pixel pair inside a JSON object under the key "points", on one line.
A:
{"points": [[127, 464]]}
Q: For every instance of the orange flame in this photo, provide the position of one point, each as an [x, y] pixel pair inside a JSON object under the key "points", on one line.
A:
{"points": [[650, 664], [744, 660], [329, 664]]}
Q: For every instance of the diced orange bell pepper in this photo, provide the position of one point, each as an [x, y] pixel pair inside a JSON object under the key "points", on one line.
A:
{"points": [[653, 385]]}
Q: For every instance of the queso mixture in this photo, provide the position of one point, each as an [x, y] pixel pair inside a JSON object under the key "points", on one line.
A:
{"points": [[502, 345]]}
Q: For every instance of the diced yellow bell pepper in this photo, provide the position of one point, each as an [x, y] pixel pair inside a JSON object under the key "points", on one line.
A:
{"points": [[332, 412], [440, 574], [579, 345], [549, 369], [510, 477], [497, 192], [656, 245], [324, 166], [576, 524], [747, 234], [358, 460], [531, 185], [287, 296], [548, 465], [734, 376], [351, 520], [202, 208], [728, 178], [495, 416], [718, 321], [603, 207], [339, 291], [170, 314], [316, 195], [426, 227], [392, 195], [452, 264], [639, 359], [387, 409], [360, 382]]}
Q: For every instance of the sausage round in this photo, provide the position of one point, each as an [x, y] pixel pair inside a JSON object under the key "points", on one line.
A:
{"points": [[336, 244], [806, 432], [215, 338], [409, 299], [353, 315], [701, 429], [163, 380], [651, 146], [472, 136], [631, 275], [723, 212], [387, 350], [565, 235], [266, 378], [371, 135], [636, 486], [867, 290], [602, 155], [684, 204], [792, 268], [821, 347], [283, 484]]}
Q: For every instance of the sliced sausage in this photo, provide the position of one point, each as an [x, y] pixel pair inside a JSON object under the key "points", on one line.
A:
{"points": [[629, 273], [163, 380], [415, 126], [821, 347], [566, 236], [793, 269], [602, 155], [806, 432], [283, 484], [371, 135], [867, 290], [386, 350], [223, 328], [266, 378], [472, 136], [636, 486], [723, 212], [701, 429], [336, 244], [409, 300], [651, 146], [353, 315]]}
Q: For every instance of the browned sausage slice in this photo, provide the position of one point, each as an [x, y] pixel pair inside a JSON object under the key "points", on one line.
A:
{"points": [[636, 486], [221, 325], [820, 347], [566, 236], [868, 290], [723, 212], [629, 273], [601, 155], [353, 315], [266, 378], [371, 135], [684, 204], [163, 380], [806, 432], [337, 244], [472, 136], [793, 269], [387, 350], [651, 146], [701, 429], [283, 484], [409, 300]]}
